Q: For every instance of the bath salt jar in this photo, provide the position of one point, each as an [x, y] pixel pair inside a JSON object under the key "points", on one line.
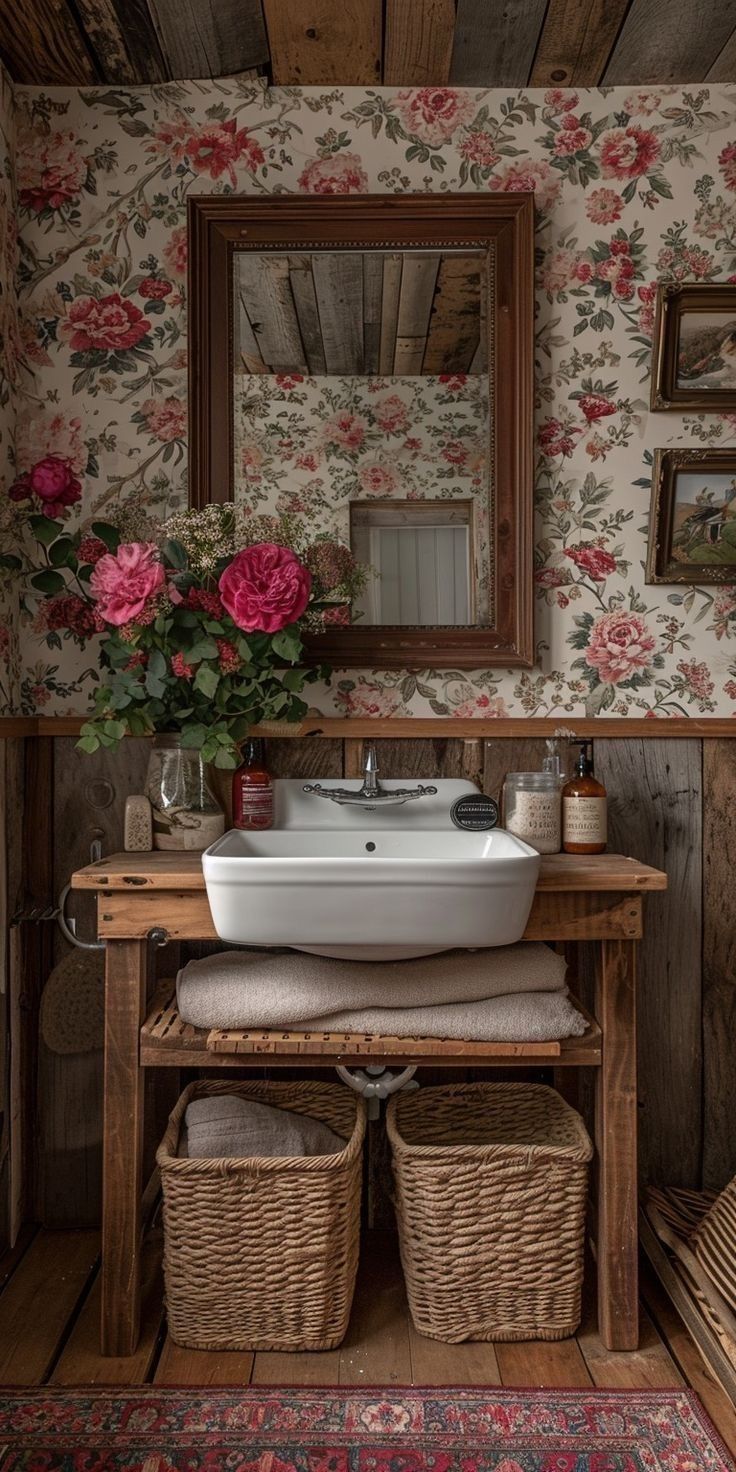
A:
{"points": [[533, 809], [186, 813]]}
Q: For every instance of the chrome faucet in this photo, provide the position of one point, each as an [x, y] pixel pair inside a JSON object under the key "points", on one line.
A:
{"points": [[372, 794]]}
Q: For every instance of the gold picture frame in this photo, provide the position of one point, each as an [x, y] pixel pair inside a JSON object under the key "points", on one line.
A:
{"points": [[692, 526], [694, 348]]}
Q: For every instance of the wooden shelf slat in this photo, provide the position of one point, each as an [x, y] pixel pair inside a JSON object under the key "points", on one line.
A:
{"points": [[168, 1041]]}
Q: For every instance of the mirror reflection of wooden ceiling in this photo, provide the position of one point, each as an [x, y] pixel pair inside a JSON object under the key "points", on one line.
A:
{"points": [[475, 43], [357, 314]]}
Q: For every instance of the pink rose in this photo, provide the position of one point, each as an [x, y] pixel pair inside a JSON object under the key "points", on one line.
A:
{"points": [[378, 480], [391, 414], [619, 644], [434, 113], [572, 138], [265, 587], [124, 583], [53, 481], [560, 100], [217, 147], [339, 173], [626, 153], [596, 561], [346, 430], [51, 173], [104, 324]]}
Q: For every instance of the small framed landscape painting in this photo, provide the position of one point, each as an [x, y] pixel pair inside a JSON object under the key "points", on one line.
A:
{"points": [[694, 359], [692, 526]]}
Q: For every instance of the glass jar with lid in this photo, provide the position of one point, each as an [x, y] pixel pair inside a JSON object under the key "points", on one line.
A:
{"points": [[533, 809]]}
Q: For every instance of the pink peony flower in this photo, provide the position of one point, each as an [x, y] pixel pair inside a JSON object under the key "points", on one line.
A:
{"points": [[697, 678], [619, 644], [216, 148], [346, 430], [104, 324], [524, 176], [604, 206], [51, 173], [124, 583], [339, 173], [265, 587], [166, 419], [642, 103], [596, 561], [154, 288], [378, 480], [433, 114], [52, 481], [626, 153], [391, 414], [560, 100], [571, 138], [478, 148], [175, 251], [556, 439]]}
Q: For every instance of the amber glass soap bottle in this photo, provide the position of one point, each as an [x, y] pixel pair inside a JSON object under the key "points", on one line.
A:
{"points": [[584, 808], [252, 789]]}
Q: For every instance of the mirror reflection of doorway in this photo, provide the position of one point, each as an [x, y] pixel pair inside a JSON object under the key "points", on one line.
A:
{"points": [[421, 556]]}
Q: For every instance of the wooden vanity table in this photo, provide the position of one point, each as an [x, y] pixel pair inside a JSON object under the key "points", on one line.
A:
{"points": [[598, 899]]}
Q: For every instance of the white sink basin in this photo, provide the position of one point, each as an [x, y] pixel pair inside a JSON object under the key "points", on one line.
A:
{"points": [[372, 884]]}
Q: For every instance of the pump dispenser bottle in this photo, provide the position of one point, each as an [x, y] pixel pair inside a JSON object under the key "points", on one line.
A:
{"points": [[584, 807], [252, 789]]}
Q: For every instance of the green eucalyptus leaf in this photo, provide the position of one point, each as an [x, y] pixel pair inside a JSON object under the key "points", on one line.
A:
{"points": [[175, 554], [48, 581], [62, 554], [107, 534], [206, 680], [44, 529]]}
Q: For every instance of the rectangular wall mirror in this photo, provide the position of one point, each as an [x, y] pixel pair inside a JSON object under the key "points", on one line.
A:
{"points": [[366, 364]]}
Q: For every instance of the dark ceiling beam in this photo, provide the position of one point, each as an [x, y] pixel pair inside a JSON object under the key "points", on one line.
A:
{"points": [[418, 44], [40, 42], [329, 43], [495, 42], [577, 39], [670, 41], [210, 38], [122, 38]]}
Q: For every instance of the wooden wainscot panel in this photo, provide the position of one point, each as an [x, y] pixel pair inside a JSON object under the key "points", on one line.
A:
{"points": [[719, 962]]}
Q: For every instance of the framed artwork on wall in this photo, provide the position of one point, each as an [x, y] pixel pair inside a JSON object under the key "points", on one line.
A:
{"points": [[694, 357], [692, 525]]}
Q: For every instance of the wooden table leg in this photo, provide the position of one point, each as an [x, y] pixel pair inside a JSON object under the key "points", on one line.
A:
{"points": [[125, 1001], [615, 1130]]}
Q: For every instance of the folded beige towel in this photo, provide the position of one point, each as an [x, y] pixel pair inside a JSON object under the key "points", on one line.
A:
{"points": [[224, 1126], [288, 988], [527, 1017]]}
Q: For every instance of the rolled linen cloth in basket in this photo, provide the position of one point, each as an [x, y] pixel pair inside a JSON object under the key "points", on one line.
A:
{"points": [[223, 1126], [281, 989], [509, 994]]}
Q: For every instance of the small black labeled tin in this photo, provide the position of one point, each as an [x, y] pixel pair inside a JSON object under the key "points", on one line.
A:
{"points": [[475, 812]]}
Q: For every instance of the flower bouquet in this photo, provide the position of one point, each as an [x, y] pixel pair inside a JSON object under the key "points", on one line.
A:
{"points": [[201, 617]]}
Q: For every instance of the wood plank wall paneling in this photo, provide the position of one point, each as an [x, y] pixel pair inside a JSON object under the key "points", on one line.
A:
{"points": [[670, 41], [213, 39], [333, 43], [655, 808], [719, 962], [576, 42], [497, 51], [41, 39], [672, 803], [418, 42]]}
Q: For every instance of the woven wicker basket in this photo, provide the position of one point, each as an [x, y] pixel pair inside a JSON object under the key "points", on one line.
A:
{"points": [[262, 1253], [491, 1183]]}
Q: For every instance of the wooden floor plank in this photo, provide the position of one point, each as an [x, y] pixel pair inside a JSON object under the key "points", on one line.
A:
{"points": [[650, 1366], [180, 1366], [81, 1363], [11, 1259], [536, 1363], [39, 1301], [271, 1368], [696, 1373], [376, 1348], [435, 1363]]}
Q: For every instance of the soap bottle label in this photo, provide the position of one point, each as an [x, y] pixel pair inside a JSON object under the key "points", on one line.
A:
{"points": [[584, 820], [254, 807]]}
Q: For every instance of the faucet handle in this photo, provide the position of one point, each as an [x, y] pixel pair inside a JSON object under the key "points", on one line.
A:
{"points": [[370, 758]]}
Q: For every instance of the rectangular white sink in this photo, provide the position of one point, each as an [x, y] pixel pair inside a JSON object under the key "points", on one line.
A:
{"points": [[370, 884]]}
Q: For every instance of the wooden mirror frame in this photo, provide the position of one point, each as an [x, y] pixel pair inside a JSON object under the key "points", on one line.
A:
{"points": [[221, 224]]}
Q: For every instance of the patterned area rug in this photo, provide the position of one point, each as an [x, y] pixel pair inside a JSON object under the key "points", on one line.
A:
{"points": [[382, 1430]]}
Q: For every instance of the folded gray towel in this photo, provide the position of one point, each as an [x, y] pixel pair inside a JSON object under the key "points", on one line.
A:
{"points": [[285, 989], [223, 1125]]}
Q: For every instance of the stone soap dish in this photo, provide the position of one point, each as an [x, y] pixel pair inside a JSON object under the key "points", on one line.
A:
{"points": [[138, 827]]}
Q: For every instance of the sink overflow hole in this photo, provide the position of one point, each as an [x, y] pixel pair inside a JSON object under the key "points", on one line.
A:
{"points": [[371, 848]]}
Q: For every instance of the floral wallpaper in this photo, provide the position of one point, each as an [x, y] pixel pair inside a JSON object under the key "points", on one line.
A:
{"points": [[307, 447], [9, 646], [632, 186]]}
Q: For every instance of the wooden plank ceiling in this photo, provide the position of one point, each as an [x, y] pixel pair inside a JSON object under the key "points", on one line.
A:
{"points": [[353, 314], [475, 43]]}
